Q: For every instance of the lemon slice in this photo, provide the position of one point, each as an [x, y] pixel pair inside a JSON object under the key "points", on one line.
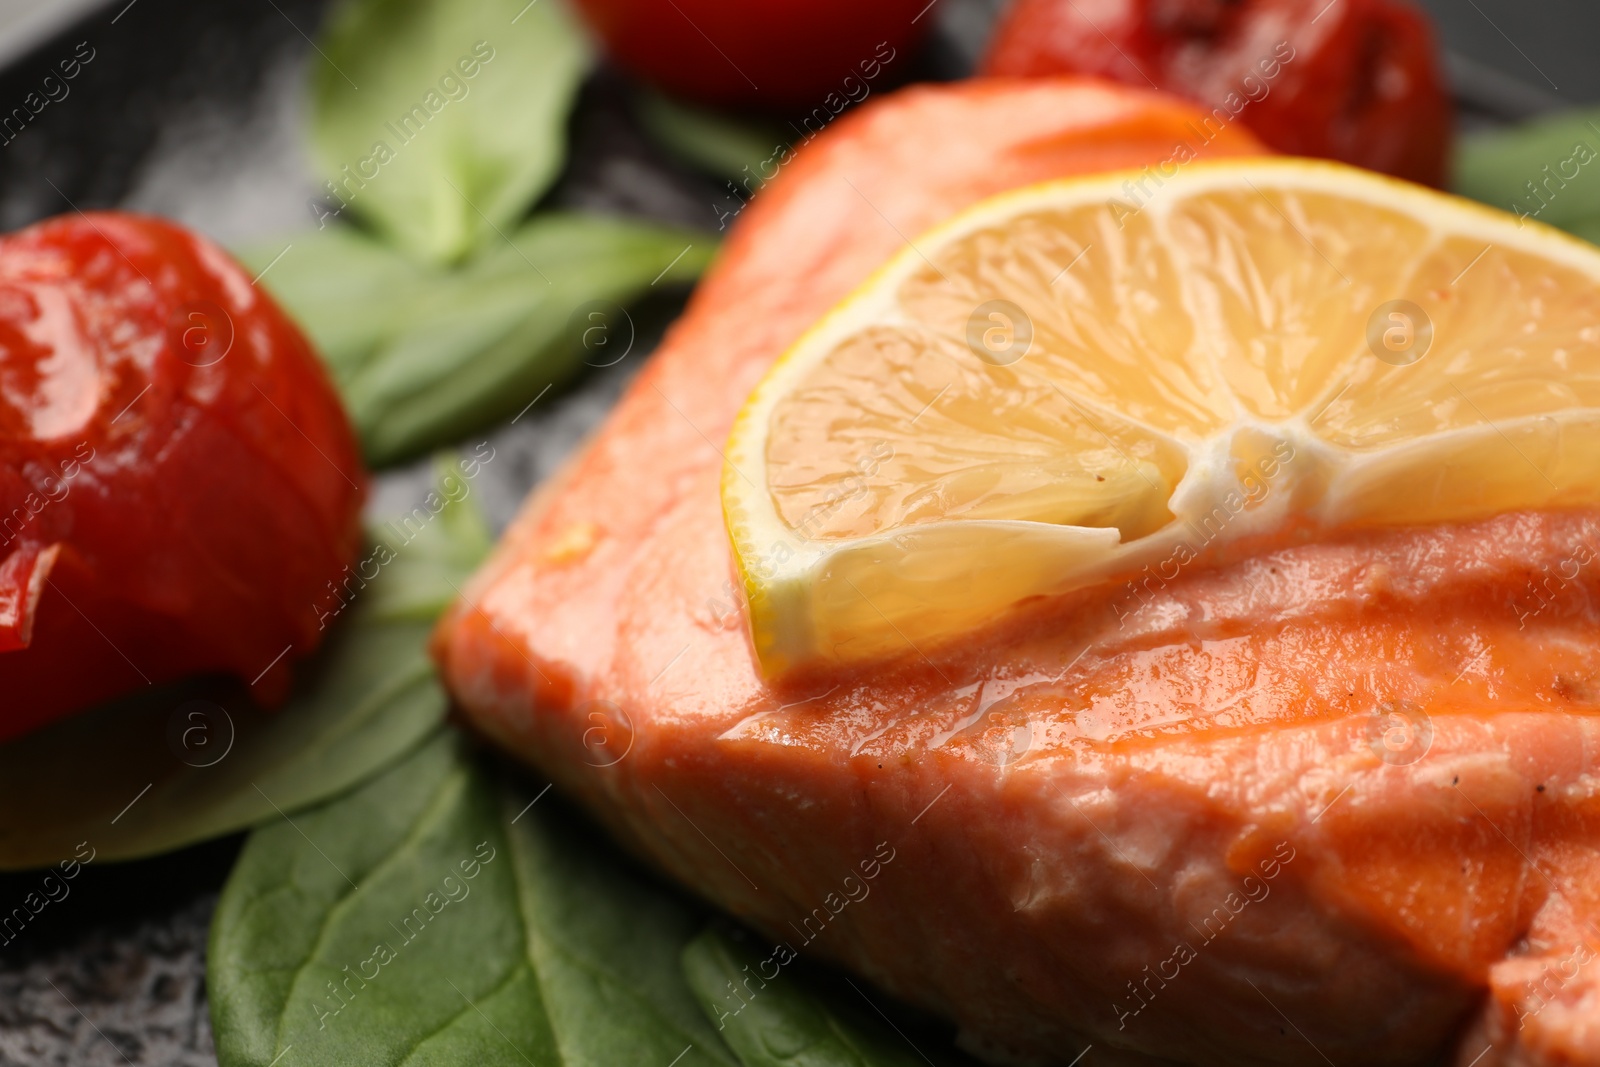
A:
{"points": [[1076, 381]]}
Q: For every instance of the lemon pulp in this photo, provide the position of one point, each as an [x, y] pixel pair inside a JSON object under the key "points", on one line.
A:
{"points": [[1070, 382]]}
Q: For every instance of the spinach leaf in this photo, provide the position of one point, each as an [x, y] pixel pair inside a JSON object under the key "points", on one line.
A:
{"points": [[716, 143], [197, 760], [437, 545], [438, 916], [778, 1021], [1548, 170], [441, 121], [423, 357]]}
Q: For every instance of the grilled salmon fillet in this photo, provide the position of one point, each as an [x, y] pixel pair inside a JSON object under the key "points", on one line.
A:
{"points": [[1326, 799]]}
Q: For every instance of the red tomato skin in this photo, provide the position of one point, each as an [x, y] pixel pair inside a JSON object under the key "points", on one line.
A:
{"points": [[778, 55], [1353, 80], [178, 481]]}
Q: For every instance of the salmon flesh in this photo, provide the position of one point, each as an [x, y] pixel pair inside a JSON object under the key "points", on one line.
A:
{"points": [[1331, 800]]}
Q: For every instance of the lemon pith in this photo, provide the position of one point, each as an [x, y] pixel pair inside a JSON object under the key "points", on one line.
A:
{"points": [[1066, 383]]}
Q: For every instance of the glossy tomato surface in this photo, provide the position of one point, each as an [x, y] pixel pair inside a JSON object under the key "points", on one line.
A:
{"points": [[178, 481], [1353, 80], [778, 55]]}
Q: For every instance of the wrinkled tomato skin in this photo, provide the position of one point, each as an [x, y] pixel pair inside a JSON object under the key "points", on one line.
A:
{"points": [[1353, 80], [777, 55], [178, 480]]}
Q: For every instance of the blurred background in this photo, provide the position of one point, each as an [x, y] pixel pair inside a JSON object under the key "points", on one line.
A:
{"points": [[191, 110]]}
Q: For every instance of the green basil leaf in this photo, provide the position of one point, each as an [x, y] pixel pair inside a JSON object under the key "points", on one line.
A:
{"points": [[424, 357], [185, 763], [344, 288], [1547, 170], [715, 142], [442, 121], [777, 1021], [503, 329], [522, 317], [435, 916]]}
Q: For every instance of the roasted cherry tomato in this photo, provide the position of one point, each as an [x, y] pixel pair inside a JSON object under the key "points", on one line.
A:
{"points": [[778, 55], [178, 481], [1354, 80]]}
